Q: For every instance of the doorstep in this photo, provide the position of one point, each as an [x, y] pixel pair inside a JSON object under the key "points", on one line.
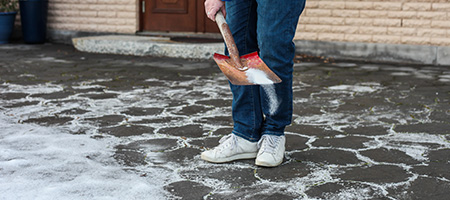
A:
{"points": [[174, 47]]}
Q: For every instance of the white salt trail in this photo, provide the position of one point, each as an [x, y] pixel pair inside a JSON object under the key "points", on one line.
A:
{"points": [[272, 96], [260, 78]]}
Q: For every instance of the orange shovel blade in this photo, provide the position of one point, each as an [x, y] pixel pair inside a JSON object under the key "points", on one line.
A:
{"points": [[241, 77]]}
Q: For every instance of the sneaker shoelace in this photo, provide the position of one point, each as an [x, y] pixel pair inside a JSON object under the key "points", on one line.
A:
{"points": [[268, 143], [227, 141]]}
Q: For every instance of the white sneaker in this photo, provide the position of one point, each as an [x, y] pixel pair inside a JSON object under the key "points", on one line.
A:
{"points": [[271, 150], [231, 147]]}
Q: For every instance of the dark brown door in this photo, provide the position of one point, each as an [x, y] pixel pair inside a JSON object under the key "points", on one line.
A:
{"points": [[175, 15]]}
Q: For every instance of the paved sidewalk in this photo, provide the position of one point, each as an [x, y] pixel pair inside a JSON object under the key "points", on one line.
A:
{"points": [[134, 128]]}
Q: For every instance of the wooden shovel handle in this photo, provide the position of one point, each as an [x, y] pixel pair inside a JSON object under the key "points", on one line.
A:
{"points": [[229, 41]]}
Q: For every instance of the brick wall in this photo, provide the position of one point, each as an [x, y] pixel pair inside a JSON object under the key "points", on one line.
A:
{"points": [[421, 22], [418, 22], [118, 16]]}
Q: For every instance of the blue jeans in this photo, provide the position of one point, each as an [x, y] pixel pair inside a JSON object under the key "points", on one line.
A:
{"points": [[266, 26]]}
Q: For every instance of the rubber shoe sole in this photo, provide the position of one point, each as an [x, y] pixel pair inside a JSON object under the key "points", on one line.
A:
{"points": [[266, 164], [231, 158]]}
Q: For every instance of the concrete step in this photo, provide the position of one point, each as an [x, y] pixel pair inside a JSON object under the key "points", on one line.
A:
{"points": [[147, 46]]}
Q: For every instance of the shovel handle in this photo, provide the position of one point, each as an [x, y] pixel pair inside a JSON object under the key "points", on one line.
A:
{"points": [[229, 41]]}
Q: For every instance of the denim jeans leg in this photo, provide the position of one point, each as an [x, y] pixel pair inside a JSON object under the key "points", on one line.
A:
{"points": [[276, 26], [267, 26], [246, 107]]}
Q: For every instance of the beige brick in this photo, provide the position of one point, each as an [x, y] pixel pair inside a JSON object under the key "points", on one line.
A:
{"points": [[318, 13], [416, 40], [429, 32], [88, 13], [64, 1], [88, 1], [432, 15], [441, 6], [301, 27], [440, 41], [306, 35], [311, 4], [345, 29], [100, 7], [60, 26], [416, 6], [416, 23], [358, 21], [387, 5], [440, 24], [81, 7], [129, 2], [317, 28], [127, 15], [98, 20], [116, 2], [73, 20], [129, 8], [88, 27], [106, 28], [109, 14], [105, 2], [370, 30], [387, 39], [64, 13], [332, 20], [402, 31], [131, 21], [358, 38], [118, 21], [62, 6], [402, 14], [332, 4], [331, 36], [357, 5], [373, 14], [78, 20], [345, 13], [131, 29], [387, 22], [309, 20]]}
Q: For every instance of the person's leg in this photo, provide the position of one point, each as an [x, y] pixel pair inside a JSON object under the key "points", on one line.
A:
{"points": [[276, 26], [246, 107]]}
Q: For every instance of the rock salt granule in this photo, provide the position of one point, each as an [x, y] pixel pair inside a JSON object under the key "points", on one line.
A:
{"points": [[258, 77]]}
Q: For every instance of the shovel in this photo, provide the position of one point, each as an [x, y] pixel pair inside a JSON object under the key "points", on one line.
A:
{"points": [[245, 70]]}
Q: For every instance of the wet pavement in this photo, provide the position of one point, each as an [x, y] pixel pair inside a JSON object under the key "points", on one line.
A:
{"points": [[360, 130]]}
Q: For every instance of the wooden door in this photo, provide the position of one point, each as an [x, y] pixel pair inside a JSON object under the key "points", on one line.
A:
{"points": [[175, 16]]}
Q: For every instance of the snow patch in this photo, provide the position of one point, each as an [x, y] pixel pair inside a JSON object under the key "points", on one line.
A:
{"points": [[49, 163]]}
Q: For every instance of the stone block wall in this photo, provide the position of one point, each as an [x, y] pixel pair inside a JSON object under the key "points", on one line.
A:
{"points": [[116, 16], [416, 22]]}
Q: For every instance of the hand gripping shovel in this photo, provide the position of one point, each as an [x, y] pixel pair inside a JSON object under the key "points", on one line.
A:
{"points": [[245, 70]]}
